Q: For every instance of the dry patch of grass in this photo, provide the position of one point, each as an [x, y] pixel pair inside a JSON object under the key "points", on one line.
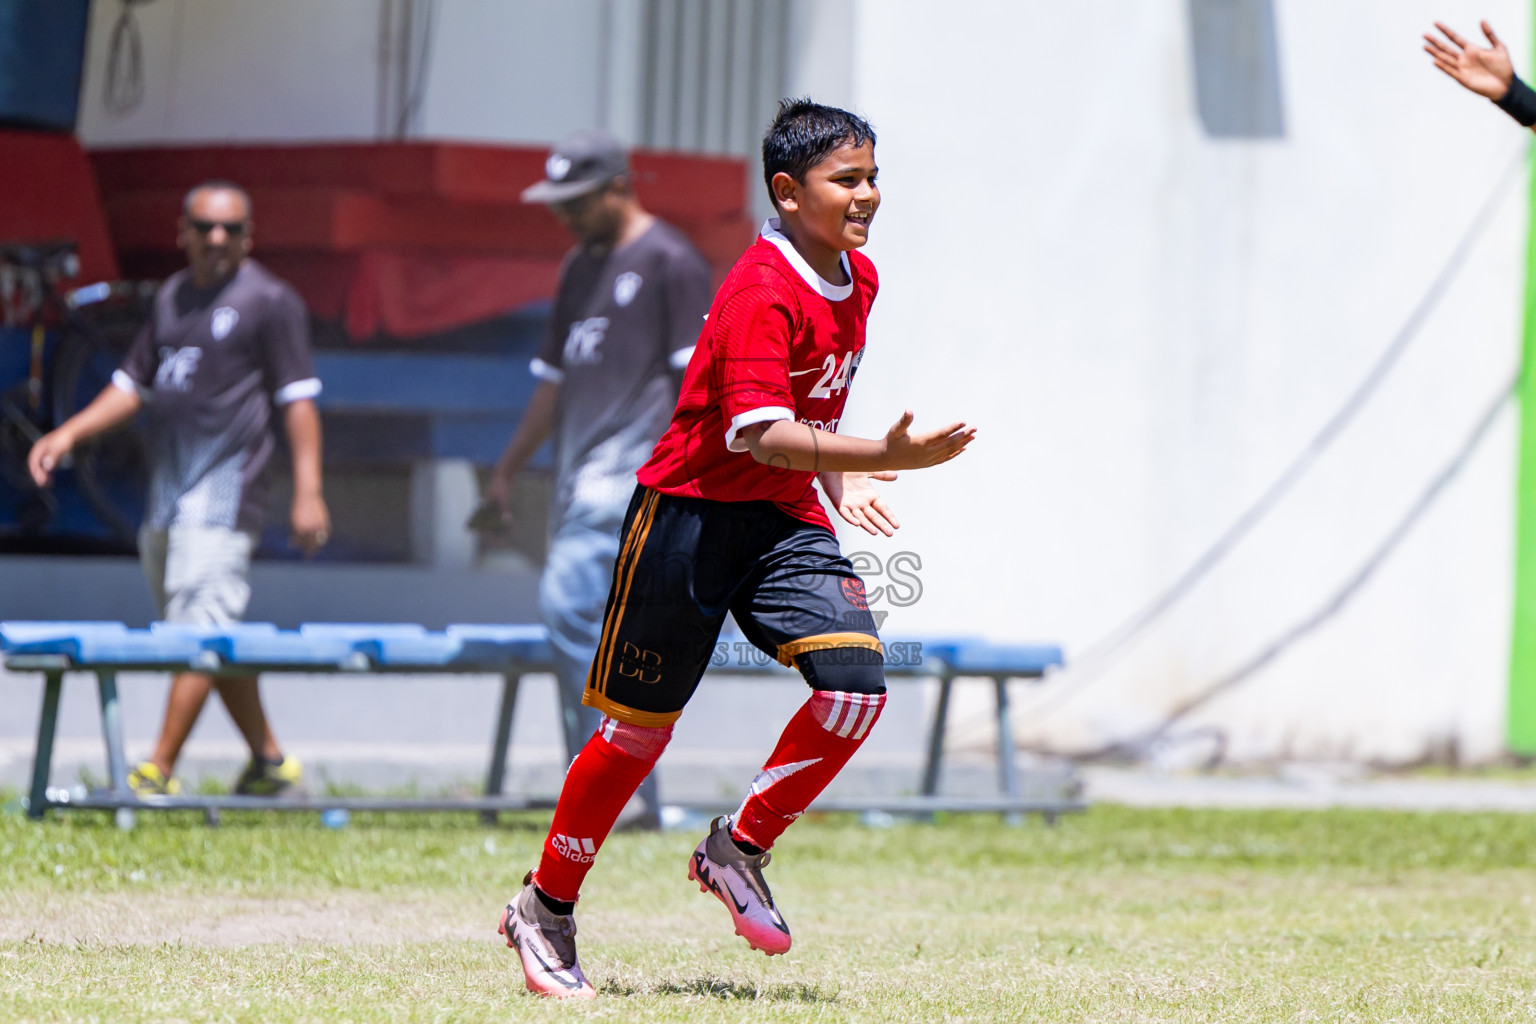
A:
{"points": [[1116, 915]]}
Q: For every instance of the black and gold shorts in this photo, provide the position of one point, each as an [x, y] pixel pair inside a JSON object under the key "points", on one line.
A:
{"points": [[684, 564]]}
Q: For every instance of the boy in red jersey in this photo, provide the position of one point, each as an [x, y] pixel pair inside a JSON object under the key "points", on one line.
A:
{"points": [[726, 520]]}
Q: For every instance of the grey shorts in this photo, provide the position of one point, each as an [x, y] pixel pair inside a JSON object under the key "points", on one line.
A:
{"points": [[197, 574]]}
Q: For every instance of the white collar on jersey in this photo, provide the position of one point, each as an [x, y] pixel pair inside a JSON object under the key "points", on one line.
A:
{"points": [[835, 292]]}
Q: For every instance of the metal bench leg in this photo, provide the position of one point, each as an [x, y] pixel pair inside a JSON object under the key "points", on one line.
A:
{"points": [[42, 757], [498, 770], [112, 732], [936, 737], [1008, 769]]}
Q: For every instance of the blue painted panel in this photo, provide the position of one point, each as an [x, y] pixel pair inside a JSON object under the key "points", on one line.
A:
{"points": [[480, 439], [423, 382], [42, 47]]}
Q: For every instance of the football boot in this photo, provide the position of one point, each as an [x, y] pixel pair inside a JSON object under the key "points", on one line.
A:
{"points": [[736, 879], [546, 942]]}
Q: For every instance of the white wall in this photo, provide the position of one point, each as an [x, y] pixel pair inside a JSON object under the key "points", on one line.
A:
{"points": [[1147, 325], [518, 71], [528, 71], [222, 69]]}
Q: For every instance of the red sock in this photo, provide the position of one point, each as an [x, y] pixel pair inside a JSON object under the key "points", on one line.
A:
{"points": [[815, 745], [598, 784]]}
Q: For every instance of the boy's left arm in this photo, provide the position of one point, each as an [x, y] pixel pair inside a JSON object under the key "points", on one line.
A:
{"points": [[856, 500]]}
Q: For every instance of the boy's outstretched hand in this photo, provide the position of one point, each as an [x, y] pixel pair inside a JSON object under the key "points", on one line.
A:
{"points": [[1486, 72], [929, 448], [857, 501]]}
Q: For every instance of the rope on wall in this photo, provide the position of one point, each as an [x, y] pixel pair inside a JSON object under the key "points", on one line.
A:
{"points": [[1338, 601], [1100, 656], [123, 89], [416, 57]]}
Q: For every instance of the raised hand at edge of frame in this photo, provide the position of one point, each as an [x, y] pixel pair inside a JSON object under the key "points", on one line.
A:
{"points": [[1485, 71]]}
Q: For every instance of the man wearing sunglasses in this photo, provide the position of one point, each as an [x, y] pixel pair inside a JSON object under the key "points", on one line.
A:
{"points": [[224, 353], [631, 300]]}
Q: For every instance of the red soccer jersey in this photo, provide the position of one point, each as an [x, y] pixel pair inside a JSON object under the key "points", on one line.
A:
{"points": [[780, 343]]}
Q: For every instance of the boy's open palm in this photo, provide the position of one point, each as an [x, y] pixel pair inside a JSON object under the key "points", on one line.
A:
{"points": [[906, 450], [856, 500], [1486, 72]]}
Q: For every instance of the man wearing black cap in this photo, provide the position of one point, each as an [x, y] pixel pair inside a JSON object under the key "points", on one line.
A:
{"points": [[633, 293]]}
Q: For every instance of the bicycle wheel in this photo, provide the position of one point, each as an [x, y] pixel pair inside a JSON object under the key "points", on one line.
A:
{"points": [[18, 431]]}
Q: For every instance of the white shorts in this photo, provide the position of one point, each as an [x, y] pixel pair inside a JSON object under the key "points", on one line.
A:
{"points": [[197, 574]]}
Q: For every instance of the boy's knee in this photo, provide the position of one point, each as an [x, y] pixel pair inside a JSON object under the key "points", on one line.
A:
{"points": [[848, 715], [849, 685], [844, 670], [644, 743]]}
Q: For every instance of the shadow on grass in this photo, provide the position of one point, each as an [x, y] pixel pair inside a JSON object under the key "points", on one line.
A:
{"points": [[725, 990]]}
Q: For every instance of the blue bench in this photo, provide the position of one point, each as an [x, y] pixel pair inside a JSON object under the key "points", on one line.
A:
{"points": [[512, 651]]}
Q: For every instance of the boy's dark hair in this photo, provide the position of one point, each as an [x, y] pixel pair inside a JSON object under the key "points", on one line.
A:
{"points": [[803, 133]]}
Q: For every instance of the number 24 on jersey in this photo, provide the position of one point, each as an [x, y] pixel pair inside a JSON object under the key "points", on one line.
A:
{"points": [[834, 376]]}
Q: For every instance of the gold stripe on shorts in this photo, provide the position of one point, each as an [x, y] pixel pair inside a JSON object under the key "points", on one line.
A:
{"points": [[628, 715], [624, 553], [622, 580], [827, 642]]}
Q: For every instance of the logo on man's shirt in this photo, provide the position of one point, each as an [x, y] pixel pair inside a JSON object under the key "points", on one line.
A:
{"points": [[582, 342], [224, 320], [625, 286], [177, 367]]}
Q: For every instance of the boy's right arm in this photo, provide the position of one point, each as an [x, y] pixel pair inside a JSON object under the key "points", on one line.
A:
{"points": [[799, 446], [114, 406]]}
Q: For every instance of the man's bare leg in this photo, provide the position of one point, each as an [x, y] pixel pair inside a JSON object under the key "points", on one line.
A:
{"points": [[189, 691], [243, 699]]}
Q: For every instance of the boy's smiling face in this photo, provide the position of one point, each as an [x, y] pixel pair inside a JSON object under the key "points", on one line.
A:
{"points": [[836, 202]]}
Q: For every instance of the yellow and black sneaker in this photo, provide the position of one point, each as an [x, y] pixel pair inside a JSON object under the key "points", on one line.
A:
{"points": [[146, 780], [262, 777]]}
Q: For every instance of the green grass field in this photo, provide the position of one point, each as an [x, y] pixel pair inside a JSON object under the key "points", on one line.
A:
{"points": [[1115, 915]]}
